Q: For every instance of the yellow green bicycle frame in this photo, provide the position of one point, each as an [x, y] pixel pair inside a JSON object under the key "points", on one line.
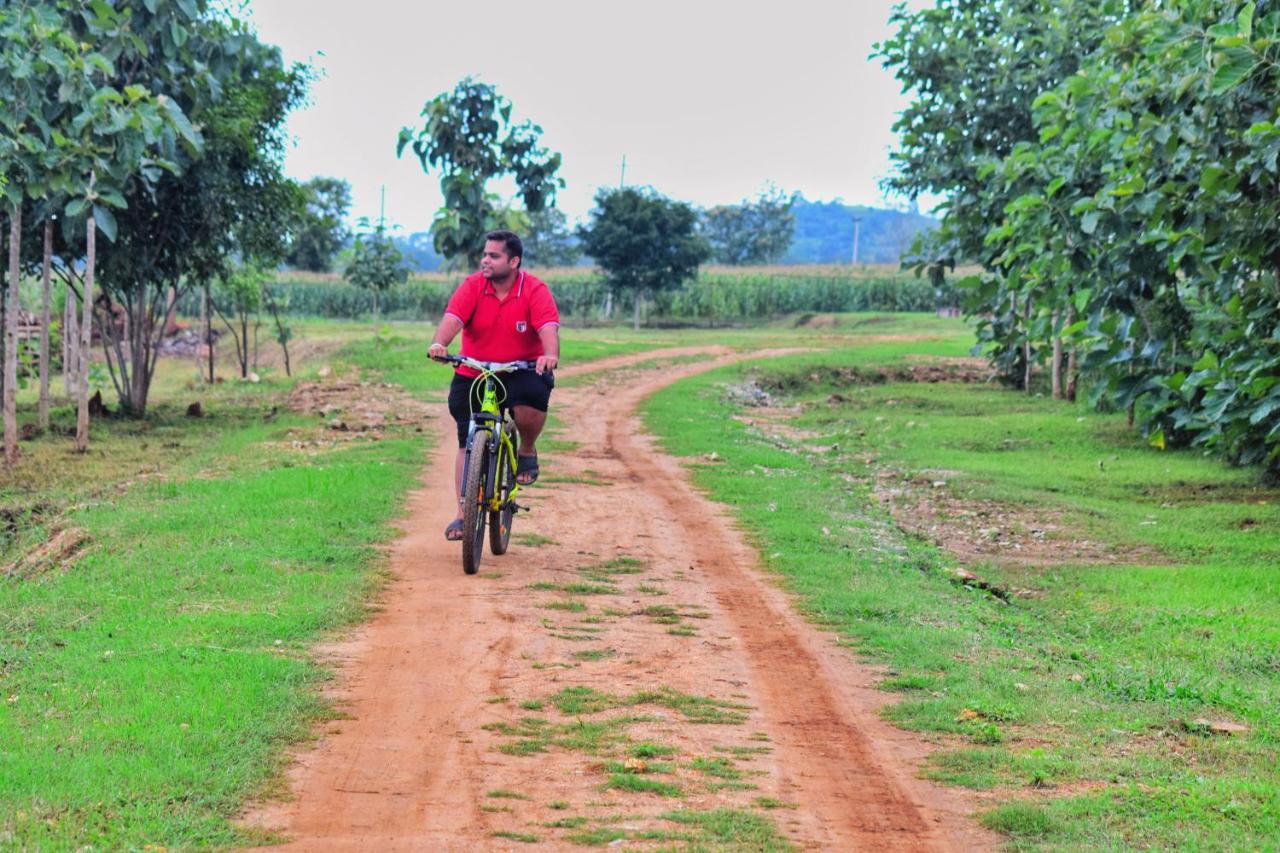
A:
{"points": [[502, 447]]}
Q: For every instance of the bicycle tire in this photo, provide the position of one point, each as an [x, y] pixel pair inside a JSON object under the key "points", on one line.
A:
{"points": [[473, 511], [505, 477]]}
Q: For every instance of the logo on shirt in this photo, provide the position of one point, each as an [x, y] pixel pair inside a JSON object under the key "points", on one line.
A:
{"points": [[521, 326]]}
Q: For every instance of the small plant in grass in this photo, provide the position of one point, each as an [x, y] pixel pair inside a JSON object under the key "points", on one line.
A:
{"points": [[740, 829], [531, 705], [721, 768], [597, 837], [646, 589], [533, 540], [637, 783], [558, 805], [505, 794], [773, 803], [594, 654], [648, 749], [1020, 820], [683, 631], [567, 822], [744, 751], [568, 605], [523, 837]]}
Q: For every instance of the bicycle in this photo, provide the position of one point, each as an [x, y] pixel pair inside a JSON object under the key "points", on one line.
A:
{"points": [[489, 486]]}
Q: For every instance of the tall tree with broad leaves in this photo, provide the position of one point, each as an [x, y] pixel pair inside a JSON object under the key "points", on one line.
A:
{"points": [[321, 230], [643, 241], [228, 202], [468, 137], [79, 126]]}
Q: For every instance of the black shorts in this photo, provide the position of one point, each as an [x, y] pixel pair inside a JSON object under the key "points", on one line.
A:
{"points": [[524, 388]]}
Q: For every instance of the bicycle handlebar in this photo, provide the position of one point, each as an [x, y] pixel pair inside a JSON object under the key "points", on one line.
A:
{"points": [[489, 366]]}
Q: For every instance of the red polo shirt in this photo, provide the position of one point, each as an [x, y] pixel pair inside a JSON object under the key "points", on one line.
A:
{"points": [[507, 329]]}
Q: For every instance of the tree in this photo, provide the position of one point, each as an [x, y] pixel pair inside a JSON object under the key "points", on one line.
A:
{"points": [[376, 264], [1134, 216], [469, 138], [228, 201], [643, 241], [239, 294], [753, 232], [976, 69], [320, 231], [548, 240], [79, 124]]}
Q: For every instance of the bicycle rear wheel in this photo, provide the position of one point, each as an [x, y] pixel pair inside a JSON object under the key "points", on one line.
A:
{"points": [[473, 509], [504, 479]]}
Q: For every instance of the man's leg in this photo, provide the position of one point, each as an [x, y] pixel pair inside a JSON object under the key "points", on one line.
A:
{"points": [[529, 423]]}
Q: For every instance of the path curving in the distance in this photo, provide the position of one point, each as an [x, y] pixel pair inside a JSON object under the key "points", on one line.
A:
{"points": [[428, 684]]}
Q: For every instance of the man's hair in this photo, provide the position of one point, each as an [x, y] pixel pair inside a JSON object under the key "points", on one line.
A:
{"points": [[515, 248]]}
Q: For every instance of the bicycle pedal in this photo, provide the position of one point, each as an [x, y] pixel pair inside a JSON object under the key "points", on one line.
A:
{"points": [[518, 508]]}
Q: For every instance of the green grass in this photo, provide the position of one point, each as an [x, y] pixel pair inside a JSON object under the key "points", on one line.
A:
{"points": [[153, 685], [696, 709], [1100, 676], [636, 783]]}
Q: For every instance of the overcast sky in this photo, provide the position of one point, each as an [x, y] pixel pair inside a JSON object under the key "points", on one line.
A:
{"points": [[708, 100]]}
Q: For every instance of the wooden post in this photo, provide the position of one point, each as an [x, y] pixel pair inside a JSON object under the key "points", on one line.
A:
{"points": [[86, 336], [45, 272]]}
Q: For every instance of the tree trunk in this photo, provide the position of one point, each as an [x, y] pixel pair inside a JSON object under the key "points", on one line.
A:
{"points": [[375, 312], [639, 299], [608, 304], [1026, 346], [208, 326], [11, 342], [1071, 359], [70, 335], [1056, 369], [45, 272], [86, 336]]}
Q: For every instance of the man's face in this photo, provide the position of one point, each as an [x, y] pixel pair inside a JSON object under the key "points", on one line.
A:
{"points": [[496, 264]]}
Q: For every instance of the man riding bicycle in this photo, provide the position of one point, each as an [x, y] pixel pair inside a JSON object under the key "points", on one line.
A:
{"points": [[504, 314]]}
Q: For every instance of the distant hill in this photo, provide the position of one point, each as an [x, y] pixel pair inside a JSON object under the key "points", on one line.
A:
{"points": [[419, 251], [824, 233]]}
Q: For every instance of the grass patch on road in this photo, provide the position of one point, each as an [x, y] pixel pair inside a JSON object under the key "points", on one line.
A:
{"points": [[1092, 703]]}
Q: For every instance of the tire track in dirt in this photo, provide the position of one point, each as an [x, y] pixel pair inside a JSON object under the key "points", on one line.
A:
{"points": [[432, 686]]}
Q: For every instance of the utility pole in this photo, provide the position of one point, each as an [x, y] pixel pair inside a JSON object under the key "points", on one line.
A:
{"points": [[857, 223], [382, 209], [622, 178]]}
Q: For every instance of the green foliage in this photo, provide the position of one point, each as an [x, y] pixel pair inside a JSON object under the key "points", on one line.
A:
{"points": [[714, 297], [548, 242], [468, 136], [320, 230], [753, 232], [376, 264], [643, 241], [1121, 197]]}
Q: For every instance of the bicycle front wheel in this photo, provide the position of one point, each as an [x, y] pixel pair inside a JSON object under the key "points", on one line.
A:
{"points": [[473, 508], [504, 480]]}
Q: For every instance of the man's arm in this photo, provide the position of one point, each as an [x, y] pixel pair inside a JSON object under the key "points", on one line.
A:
{"points": [[445, 333], [550, 336]]}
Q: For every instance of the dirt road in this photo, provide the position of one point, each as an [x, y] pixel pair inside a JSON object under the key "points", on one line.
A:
{"points": [[630, 662]]}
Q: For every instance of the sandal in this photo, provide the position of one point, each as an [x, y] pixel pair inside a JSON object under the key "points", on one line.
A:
{"points": [[527, 465], [454, 531]]}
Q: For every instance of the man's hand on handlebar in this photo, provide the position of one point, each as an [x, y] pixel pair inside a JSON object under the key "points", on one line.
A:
{"points": [[437, 350]]}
